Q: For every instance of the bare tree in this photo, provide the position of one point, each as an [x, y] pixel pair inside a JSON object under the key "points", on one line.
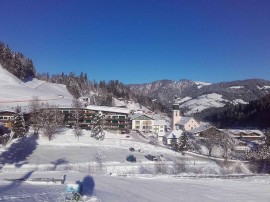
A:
{"points": [[227, 143], [212, 138], [77, 116], [34, 107], [50, 120], [261, 157]]}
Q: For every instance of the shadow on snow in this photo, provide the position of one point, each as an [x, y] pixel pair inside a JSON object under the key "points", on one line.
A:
{"points": [[18, 152]]}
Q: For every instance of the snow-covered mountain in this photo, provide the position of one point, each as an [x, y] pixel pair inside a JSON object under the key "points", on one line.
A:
{"points": [[14, 92], [195, 96]]}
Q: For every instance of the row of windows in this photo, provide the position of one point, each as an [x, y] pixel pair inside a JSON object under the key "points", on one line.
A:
{"points": [[6, 118]]}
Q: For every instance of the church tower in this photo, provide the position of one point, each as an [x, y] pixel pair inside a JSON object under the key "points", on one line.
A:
{"points": [[175, 115]]}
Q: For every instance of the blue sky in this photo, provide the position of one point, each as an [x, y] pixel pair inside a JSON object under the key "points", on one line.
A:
{"points": [[140, 41]]}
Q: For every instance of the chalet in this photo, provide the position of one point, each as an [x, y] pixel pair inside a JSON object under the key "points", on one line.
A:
{"points": [[246, 139], [142, 122], [202, 131], [249, 135]]}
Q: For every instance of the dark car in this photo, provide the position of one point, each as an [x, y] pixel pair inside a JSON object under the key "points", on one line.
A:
{"points": [[131, 149], [151, 157], [154, 158], [131, 158]]}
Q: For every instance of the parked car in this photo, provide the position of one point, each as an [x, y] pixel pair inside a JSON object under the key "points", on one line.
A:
{"points": [[154, 158], [151, 157], [131, 149], [131, 158]]}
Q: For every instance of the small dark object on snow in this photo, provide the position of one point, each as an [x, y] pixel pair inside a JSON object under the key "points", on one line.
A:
{"points": [[153, 158], [131, 158], [131, 149]]}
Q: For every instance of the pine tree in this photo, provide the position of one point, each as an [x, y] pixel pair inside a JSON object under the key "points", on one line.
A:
{"points": [[183, 142], [97, 130], [18, 124]]}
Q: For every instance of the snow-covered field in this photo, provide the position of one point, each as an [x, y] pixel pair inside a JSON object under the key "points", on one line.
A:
{"points": [[137, 189], [116, 180]]}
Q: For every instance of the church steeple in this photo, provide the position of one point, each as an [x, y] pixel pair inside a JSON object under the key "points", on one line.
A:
{"points": [[175, 115]]}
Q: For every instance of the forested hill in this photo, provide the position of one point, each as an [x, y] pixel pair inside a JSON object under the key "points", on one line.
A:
{"points": [[256, 114], [101, 93], [16, 63]]}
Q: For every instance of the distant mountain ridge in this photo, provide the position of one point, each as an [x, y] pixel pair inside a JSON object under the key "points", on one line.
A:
{"points": [[195, 96]]}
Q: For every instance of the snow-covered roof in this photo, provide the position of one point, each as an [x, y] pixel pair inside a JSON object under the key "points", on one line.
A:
{"points": [[160, 123], [108, 109], [173, 134], [134, 116], [184, 120], [201, 129], [248, 132]]}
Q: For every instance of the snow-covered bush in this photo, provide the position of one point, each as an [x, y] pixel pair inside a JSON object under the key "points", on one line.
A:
{"points": [[160, 168], [146, 169], [234, 168], [217, 151], [180, 166]]}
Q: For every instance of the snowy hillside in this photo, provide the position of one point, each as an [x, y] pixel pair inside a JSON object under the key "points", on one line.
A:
{"points": [[196, 96], [205, 101], [17, 93]]}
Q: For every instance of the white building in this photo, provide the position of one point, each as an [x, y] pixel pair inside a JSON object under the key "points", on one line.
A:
{"points": [[159, 126], [142, 122]]}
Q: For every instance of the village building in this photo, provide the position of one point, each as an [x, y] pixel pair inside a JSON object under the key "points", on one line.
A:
{"points": [[142, 122], [114, 118], [202, 131], [245, 139], [172, 137], [6, 117], [159, 126]]}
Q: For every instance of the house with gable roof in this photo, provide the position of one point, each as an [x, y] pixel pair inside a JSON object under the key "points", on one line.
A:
{"points": [[142, 122], [172, 137]]}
